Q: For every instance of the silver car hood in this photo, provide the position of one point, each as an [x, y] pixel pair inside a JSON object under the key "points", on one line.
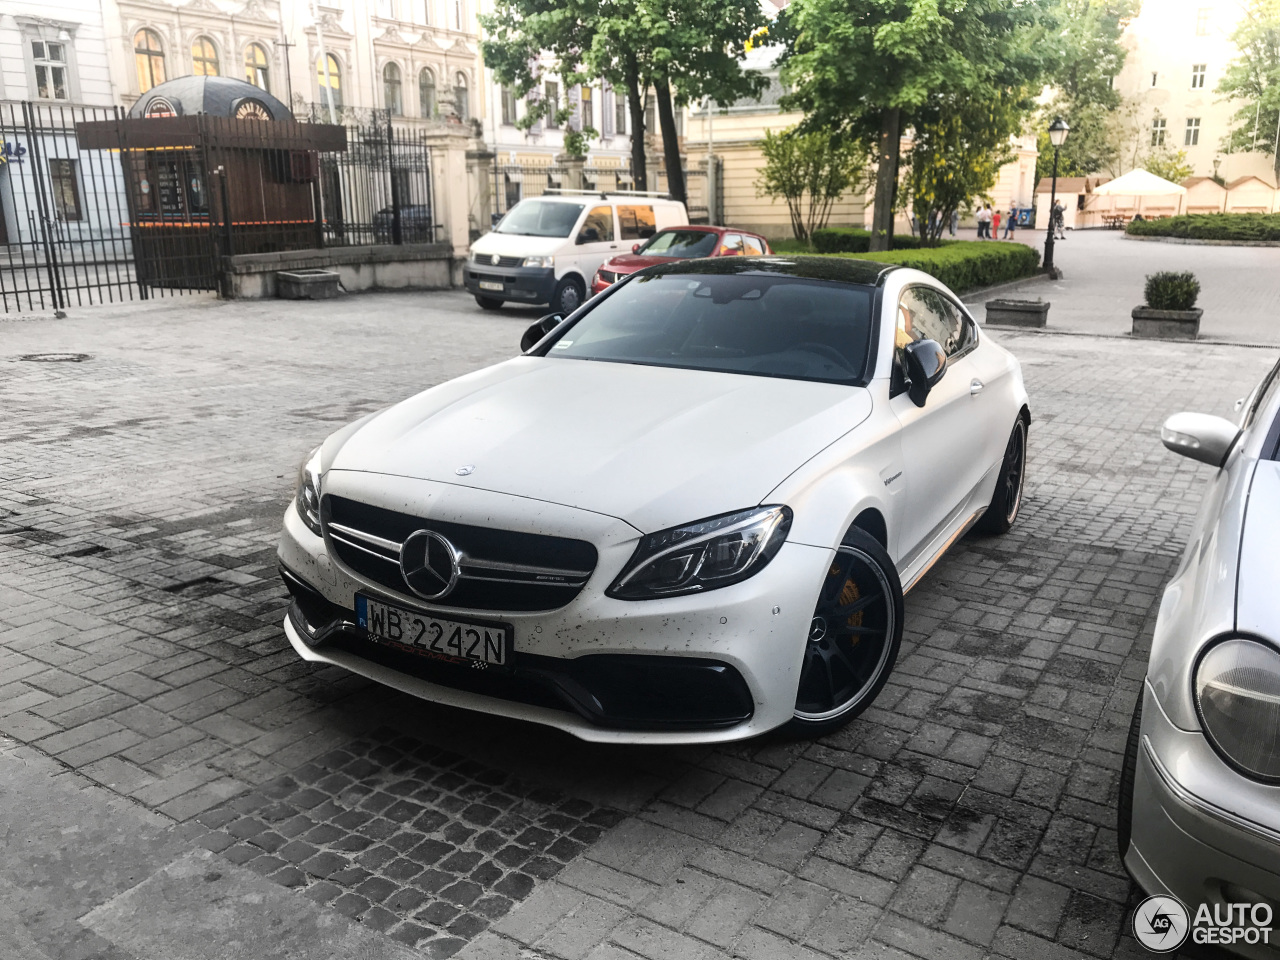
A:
{"points": [[653, 446]]}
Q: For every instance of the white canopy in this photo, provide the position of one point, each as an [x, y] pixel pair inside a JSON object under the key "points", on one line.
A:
{"points": [[1139, 183]]}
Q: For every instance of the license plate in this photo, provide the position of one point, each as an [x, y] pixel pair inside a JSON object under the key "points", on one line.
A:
{"points": [[490, 285], [480, 645]]}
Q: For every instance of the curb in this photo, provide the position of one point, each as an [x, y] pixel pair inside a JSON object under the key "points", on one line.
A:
{"points": [[1187, 241], [1001, 287], [1045, 332]]}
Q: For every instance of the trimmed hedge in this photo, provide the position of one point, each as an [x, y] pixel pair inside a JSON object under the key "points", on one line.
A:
{"points": [[1211, 226], [853, 240], [1170, 290], [967, 264]]}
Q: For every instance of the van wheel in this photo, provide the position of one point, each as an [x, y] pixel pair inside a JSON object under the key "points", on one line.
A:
{"points": [[488, 303], [568, 296]]}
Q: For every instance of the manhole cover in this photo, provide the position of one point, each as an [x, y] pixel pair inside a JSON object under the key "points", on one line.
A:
{"points": [[55, 357]]}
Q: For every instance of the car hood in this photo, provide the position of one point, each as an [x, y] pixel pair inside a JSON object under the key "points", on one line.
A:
{"points": [[517, 245], [631, 262], [653, 446]]}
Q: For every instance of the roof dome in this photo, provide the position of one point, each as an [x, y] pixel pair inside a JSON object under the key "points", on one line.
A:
{"points": [[215, 96]]}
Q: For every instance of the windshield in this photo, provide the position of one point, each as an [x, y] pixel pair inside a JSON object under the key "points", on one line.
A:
{"points": [[540, 218], [769, 326], [680, 243]]}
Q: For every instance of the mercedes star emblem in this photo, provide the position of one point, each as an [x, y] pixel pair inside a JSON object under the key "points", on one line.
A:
{"points": [[429, 564], [465, 470]]}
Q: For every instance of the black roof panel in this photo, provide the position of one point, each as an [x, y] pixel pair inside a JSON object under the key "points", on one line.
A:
{"points": [[840, 269]]}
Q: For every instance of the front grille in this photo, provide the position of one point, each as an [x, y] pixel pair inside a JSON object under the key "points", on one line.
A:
{"points": [[500, 569], [486, 260]]}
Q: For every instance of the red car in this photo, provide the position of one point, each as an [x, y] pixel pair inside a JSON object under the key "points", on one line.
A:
{"points": [[680, 243]]}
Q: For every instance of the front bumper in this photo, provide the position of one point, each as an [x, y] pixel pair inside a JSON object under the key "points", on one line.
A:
{"points": [[532, 285], [1188, 839], [704, 668]]}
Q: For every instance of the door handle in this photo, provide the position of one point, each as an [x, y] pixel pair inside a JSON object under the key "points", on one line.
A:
{"points": [[975, 387]]}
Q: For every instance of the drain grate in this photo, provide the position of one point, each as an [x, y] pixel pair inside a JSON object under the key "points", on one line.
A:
{"points": [[55, 357]]}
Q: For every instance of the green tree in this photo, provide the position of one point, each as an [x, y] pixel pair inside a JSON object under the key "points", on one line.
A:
{"points": [[1170, 164], [868, 68], [1254, 77], [1086, 36], [960, 144], [810, 171]]}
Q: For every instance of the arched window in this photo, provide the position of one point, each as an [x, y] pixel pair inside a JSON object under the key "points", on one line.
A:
{"points": [[256, 68], [391, 89], [427, 92], [460, 95], [204, 58], [330, 86], [149, 56]]}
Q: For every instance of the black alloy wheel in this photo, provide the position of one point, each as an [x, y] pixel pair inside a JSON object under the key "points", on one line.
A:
{"points": [[1006, 500], [568, 296], [488, 303], [853, 637]]}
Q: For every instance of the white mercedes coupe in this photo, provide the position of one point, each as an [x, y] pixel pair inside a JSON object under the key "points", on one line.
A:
{"points": [[687, 513]]}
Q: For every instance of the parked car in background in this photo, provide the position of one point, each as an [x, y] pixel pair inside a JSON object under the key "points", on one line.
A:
{"points": [[689, 513], [1199, 810], [682, 243], [547, 249], [415, 224]]}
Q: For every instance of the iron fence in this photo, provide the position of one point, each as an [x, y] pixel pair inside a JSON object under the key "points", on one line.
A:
{"points": [[64, 214], [379, 190]]}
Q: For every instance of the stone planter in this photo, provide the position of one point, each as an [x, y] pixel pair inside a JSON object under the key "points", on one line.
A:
{"points": [[1166, 324], [307, 284], [1018, 313]]}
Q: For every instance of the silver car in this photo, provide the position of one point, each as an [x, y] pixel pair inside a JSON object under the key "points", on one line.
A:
{"points": [[1199, 811]]}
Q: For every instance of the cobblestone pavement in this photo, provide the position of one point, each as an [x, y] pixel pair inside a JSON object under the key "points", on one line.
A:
{"points": [[1104, 275], [968, 814]]}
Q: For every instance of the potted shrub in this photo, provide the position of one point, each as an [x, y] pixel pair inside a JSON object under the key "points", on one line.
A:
{"points": [[1170, 311]]}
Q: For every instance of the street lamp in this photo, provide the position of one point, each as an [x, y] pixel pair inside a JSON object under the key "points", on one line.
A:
{"points": [[1058, 131]]}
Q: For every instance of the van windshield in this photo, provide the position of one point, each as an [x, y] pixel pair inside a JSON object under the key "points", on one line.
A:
{"points": [[540, 218]]}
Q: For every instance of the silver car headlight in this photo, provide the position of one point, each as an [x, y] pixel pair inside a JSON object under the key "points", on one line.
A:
{"points": [[1237, 687], [307, 497], [711, 553], [539, 261]]}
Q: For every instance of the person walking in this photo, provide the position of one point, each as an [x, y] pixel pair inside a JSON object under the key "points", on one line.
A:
{"points": [[1011, 224], [955, 222], [1059, 220], [995, 224], [984, 221]]}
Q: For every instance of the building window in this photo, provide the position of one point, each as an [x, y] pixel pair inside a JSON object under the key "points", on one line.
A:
{"points": [[204, 58], [1157, 132], [460, 97], [459, 14], [1197, 76], [330, 81], [551, 93], [66, 191], [1155, 77], [426, 12], [508, 106], [148, 54], [1202, 22], [391, 89], [1192, 138], [256, 68], [620, 111], [51, 70], [427, 93], [587, 110]]}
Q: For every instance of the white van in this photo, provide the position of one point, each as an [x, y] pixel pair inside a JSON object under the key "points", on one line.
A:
{"points": [[547, 249]]}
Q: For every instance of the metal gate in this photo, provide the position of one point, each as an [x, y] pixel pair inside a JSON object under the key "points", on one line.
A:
{"points": [[65, 219]]}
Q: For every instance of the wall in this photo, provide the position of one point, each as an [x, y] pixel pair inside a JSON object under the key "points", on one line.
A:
{"points": [[81, 22]]}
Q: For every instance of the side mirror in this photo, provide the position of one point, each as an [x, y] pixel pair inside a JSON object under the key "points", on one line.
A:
{"points": [[926, 364], [539, 329], [635, 248], [1200, 436]]}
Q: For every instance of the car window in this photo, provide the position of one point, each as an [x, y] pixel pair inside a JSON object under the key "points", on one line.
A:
{"points": [[753, 246], [771, 326], [731, 245], [540, 218], [922, 315], [598, 226], [636, 223], [680, 243], [966, 334], [1262, 394]]}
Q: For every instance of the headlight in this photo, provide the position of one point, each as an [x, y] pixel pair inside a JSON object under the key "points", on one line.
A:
{"points": [[539, 261], [1237, 685], [307, 498], [703, 556]]}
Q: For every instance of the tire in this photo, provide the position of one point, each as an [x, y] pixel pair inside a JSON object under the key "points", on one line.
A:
{"points": [[488, 303], [568, 296], [1006, 500], [844, 670], [1128, 773]]}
